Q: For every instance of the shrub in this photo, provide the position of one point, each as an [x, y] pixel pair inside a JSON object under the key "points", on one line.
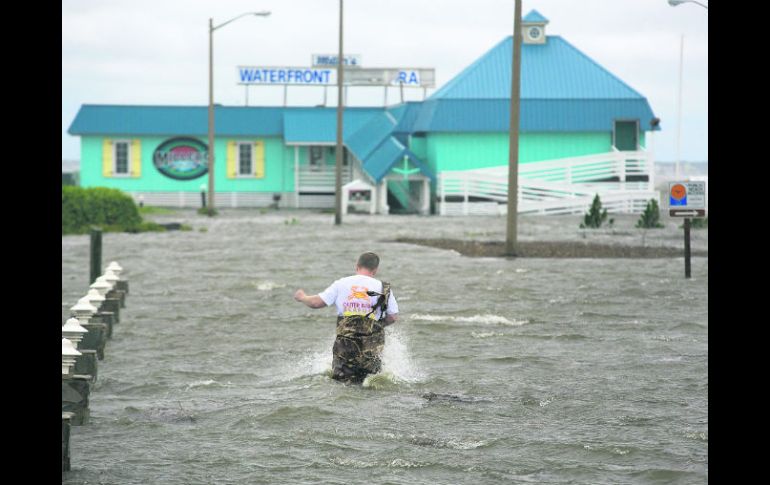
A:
{"points": [[109, 208], [650, 218], [595, 216], [698, 223]]}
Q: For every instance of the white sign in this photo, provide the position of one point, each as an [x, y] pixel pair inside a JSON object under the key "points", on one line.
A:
{"points": [[687, 195], [686, 199], [353, 60], [354, 76]]}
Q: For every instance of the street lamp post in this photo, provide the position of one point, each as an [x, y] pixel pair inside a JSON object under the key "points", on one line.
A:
{"points": [[212, 28], [675, 3]]}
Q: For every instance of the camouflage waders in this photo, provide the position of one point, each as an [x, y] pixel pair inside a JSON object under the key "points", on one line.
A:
{"points": [[359, 343]]}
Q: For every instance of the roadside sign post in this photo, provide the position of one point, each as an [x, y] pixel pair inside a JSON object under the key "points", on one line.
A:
{"points": [[687, 199]]}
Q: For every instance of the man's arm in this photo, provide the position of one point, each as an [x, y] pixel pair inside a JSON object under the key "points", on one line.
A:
{"points": [[313, 301], [391, 319]]}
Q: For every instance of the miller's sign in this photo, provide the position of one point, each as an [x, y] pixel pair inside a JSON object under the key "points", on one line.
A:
{"points": [[181, 158]]}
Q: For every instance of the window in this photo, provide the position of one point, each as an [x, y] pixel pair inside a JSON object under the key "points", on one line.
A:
{"points": [[316, 157], [121, 158], [246, 159]]}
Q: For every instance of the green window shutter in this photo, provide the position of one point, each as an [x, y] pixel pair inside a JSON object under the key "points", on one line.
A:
{"points": [[107, 157]]}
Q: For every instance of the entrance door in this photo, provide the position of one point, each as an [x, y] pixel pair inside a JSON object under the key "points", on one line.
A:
{"points": [[625, 136]]}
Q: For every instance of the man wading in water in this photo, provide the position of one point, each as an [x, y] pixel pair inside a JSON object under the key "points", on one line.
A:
{"points": [[365, 306]]}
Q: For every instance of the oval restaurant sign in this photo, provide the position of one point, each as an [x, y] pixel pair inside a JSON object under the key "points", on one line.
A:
{"points": [[181, 158]]}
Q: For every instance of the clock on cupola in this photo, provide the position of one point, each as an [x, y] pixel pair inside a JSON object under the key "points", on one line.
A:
{"points": [[533, 28]]}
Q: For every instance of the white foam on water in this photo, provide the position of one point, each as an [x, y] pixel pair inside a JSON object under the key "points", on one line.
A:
{"points": [[316, 363], [487, 319], [195, 384], [401, 463], [269, 285], [486, 334], [397, 364], [465, 445], [396, 359], [429, 318]]}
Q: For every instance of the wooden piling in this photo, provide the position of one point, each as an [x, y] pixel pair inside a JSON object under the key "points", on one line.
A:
{"points": [[96, 253], [65, 440], [75, 390], [86, 364], [95, 339]]}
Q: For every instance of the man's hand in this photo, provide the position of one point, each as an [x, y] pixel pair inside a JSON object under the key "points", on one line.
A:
{"points": [[313, 301]]}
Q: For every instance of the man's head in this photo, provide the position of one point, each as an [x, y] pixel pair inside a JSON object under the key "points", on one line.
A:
{"points": [[369, 262]]}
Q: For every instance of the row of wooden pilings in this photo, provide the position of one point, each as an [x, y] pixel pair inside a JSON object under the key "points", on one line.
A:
{"points": [[84, 336]]}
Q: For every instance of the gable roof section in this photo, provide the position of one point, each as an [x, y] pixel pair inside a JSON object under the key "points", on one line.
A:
{"points": [[386, 155], [364, 141], [534, 17], [562, 89], [554, 70]]}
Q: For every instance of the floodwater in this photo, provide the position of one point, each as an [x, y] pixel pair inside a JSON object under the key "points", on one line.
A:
{"points": [[499, 371]]}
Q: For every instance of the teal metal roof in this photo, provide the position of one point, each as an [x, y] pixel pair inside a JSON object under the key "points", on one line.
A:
{"points": [[562, 89], [363, 142], [554, 70], [535, 17], [319, 125], [387, 155], [175, 120], [405, 114]]}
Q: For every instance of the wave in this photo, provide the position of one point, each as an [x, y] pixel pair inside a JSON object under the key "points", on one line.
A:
{"points": [[486, 334], [487, 319], [205, 383], [452, 443], [268, 285]]}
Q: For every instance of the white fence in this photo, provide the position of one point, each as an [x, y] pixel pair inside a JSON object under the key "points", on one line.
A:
{"points": [[623, 180], [221, 199]]}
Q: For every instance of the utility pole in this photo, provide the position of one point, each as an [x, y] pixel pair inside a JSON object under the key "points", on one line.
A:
{"points": [[340, 147], [513, 136]]}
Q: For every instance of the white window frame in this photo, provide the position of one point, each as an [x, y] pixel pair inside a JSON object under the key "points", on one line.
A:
{"points": [[115, 172], [238, 173]]}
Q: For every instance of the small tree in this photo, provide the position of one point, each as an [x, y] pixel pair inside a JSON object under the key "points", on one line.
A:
{"points": [[595, 215], [650, 218]]}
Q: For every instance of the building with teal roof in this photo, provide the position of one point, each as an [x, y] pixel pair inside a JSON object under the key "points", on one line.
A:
{"points": [[572, 109]]}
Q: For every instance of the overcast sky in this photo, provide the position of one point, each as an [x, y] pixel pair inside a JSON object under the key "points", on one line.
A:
{"points": [[156, 52]]}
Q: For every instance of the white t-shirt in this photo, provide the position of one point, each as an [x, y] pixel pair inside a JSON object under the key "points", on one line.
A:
{"points": [[349, 296]]}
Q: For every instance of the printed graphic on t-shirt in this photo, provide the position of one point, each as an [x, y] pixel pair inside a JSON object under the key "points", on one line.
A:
{"points": [[357, 302]]}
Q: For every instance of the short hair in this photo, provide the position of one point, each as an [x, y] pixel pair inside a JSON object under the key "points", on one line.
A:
{"points": [[369, 261]]}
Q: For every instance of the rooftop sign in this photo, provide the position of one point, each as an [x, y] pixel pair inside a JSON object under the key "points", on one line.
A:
{"points": [[354, 76]]}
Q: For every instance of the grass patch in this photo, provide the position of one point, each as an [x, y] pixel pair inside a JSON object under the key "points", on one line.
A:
{"points": [[148, 209]]}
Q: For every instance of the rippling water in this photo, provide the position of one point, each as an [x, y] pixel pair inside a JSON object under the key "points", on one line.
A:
{"points": [[499, 371]]}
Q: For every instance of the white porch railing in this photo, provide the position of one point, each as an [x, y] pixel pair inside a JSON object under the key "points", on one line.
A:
{"points": [[320, 180], [564, 186]]}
